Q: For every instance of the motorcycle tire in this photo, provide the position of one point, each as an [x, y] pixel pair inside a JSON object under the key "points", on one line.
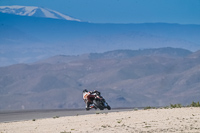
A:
{"points": [[109, 108], [98, 104]]}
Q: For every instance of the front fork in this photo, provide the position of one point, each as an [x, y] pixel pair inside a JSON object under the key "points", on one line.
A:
{"points": [[105, 104]]}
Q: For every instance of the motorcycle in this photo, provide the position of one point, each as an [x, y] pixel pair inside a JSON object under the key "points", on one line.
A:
{"points": [[100, 102]]}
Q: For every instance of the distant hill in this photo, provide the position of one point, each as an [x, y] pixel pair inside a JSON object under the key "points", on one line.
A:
{"points": [[168, 52], [152, 77], [26, 39]]}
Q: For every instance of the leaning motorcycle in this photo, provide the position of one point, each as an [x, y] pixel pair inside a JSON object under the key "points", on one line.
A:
{"points": [[100, 102]]}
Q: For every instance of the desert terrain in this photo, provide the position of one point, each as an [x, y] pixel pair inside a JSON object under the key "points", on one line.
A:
{"points": [[137, 121]]}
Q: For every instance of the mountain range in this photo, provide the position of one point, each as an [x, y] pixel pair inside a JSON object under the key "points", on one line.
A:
{"points": [[35, 12], [126, 78], [26, 39], [48, 58]]}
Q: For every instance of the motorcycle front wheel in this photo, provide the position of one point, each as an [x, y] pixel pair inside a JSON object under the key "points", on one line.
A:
{"points": [[108, 107]]}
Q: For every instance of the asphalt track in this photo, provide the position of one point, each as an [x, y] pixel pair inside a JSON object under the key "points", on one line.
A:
{"points": [[21, 115]]}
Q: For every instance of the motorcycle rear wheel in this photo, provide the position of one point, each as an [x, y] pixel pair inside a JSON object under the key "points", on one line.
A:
{"points": [[98, 104]]}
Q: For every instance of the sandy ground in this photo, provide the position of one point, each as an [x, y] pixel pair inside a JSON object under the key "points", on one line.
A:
{"points": [[137, 121]]}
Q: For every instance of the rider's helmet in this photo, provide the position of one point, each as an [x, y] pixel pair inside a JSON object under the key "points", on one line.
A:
{"points": [[85, 90]]}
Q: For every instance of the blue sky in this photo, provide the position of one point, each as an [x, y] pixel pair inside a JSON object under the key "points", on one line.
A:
{"points": [[122, 11]]}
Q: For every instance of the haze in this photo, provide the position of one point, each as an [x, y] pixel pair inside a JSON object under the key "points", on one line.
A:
{"points": [[122, 11]]}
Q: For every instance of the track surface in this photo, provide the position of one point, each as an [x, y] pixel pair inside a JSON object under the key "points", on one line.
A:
{"points": [[9, 116]]}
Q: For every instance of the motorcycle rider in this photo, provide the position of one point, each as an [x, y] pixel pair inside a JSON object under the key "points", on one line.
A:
{"points": [[87, 97]]}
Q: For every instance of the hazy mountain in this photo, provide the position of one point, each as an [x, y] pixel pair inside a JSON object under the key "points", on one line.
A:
{"points": [[126, 78], [35, 12], [168, 52], [26, 39]]}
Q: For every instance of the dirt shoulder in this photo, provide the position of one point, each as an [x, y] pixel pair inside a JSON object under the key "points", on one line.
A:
{"points": [[153, 120]]}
